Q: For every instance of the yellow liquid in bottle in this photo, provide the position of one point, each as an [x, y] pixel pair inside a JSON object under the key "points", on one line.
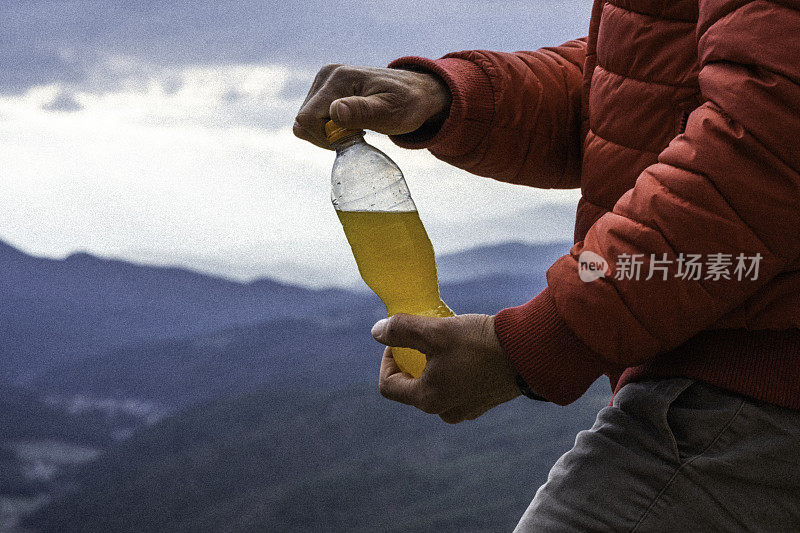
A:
{"points": [[395, 258]]}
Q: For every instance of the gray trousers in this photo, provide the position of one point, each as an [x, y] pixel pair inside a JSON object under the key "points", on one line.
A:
{"points": [[676, 455]]}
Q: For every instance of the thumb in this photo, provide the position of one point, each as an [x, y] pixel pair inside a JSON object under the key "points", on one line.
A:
{"points": [[410, 331], [360, 112]]}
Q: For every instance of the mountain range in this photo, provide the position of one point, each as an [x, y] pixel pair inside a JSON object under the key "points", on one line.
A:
{"points": [[52, 311], [113, 329], [142, 398]]}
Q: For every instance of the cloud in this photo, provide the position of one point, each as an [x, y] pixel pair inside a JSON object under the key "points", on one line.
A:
{"points": [[173, 167], [262, 96], [63, 101], [47, 42]]}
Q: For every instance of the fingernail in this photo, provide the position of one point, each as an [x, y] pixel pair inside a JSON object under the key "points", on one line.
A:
{"points": [[344, 112], [379, 327]]}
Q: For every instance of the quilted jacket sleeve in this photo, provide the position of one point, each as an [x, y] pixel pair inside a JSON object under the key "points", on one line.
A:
{"points": [[729, 185], [514, 117]]}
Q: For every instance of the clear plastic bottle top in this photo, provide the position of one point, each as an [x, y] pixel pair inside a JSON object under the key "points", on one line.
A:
{"points": [[364, 178]]}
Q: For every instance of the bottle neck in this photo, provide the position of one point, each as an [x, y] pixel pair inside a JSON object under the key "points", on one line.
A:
{"points": [[347, 142]]}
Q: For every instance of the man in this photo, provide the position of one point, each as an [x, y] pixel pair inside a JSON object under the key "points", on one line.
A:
{"points": [[680, 122]]}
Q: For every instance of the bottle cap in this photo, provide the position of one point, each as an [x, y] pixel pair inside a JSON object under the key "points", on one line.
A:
{"points": [[334, 132]]}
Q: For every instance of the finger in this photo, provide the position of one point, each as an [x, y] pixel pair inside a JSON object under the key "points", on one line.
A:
{"points": [[320, 79], [451, 417], [372, 112], [334, 83], [395, 384], [475, 413], [460, 414], [301, 133], [388, 365], [311, 120], [305, 126], [314, 115], [454, 415], [422, 333]]}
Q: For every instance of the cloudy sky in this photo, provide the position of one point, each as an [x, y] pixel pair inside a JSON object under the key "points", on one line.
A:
{"points": [[160, 131]]}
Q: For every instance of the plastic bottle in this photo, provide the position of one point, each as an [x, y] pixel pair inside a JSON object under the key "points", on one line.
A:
{"points": [[391, 247]]}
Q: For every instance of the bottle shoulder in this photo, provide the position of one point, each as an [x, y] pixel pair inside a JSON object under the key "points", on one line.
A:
{"points": [[366, 179], [364, 155]]}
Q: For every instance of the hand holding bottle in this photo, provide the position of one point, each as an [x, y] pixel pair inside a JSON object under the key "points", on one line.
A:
{"points": [[386, 100], [467, 372]]}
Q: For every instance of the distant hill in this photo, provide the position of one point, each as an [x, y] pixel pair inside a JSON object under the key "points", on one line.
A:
{"points": [[52, 311], [317, 352], [344, 460], [506, 259], [55, 310], [138, 339]]}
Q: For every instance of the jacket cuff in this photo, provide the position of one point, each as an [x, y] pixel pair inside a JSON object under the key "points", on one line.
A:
{"points": [[553, 361], [471, 109]]}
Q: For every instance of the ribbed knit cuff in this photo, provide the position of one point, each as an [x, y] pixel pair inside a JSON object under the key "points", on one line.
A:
{"points": [[552, 360], [471, 109]]}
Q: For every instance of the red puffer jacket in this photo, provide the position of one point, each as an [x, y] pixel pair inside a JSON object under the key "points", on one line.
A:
{"points": [[680, 121]]}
